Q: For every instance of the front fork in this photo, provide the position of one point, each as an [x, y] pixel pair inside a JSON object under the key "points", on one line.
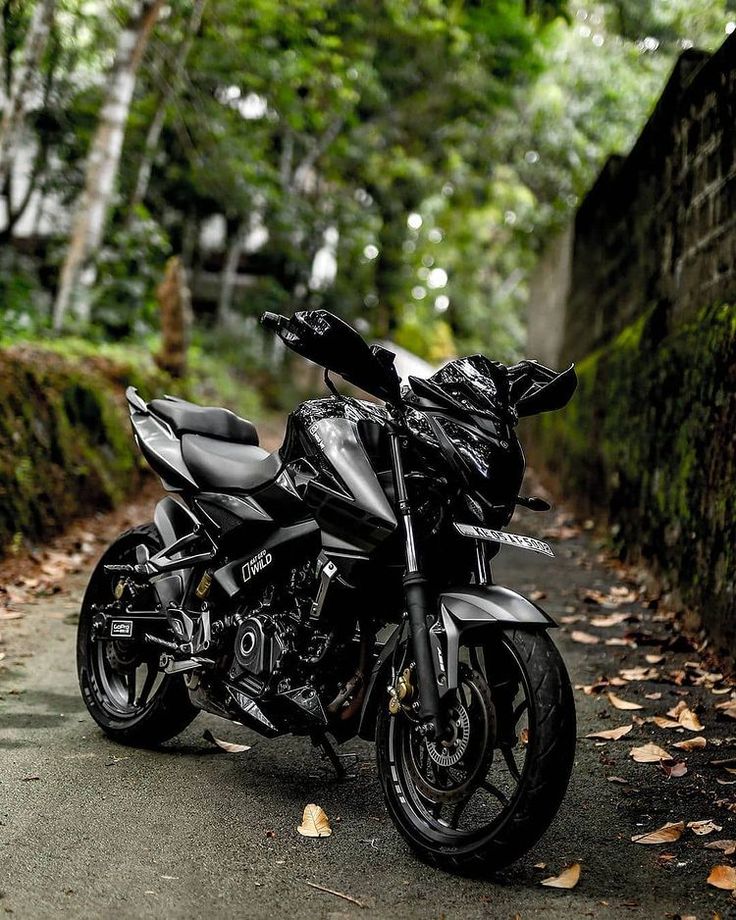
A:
{"points": [[419, 606]]}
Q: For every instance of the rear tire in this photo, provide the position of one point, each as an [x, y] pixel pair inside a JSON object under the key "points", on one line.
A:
{"points": [[548, 745], [167, 710]]}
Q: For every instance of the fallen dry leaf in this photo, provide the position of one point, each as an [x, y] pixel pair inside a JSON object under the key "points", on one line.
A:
{"points": [[577, 635], [664, 722], [673, 770], [568, 878], [639, 673], [653, 696], [571, 618], [618, 779], [723, 877], [674, 713], [727, 846], [691, 744], [702, 828], [668, 833], [654, 659], [618, 703], [230, 746], [538, 595], [649, 753], [612, 619], [315, 822], [690, 721], [629, 643], [611, 734]]}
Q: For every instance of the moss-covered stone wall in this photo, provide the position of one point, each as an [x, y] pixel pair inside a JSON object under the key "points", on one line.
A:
{"points": [[65, 441], [650, 439]]}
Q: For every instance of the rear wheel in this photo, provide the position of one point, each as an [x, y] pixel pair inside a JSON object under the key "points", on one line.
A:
{"points": [[481, 798], [124, 690]]}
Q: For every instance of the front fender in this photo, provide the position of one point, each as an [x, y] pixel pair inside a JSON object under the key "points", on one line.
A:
{"points": [[461, 609], [476, 607]]}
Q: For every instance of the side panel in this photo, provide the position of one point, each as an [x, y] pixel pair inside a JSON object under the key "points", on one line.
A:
{"points": [[360, 512], [285, 548]]}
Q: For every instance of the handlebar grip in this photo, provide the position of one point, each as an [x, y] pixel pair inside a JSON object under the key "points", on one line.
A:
{"points": [[272, 321]]}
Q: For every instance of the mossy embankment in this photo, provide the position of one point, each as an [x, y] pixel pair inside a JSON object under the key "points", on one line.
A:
{"points": [[65, 441], [650, 440]]}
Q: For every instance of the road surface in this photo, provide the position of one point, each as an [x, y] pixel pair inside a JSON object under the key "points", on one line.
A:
{"points": [[91, 829]]}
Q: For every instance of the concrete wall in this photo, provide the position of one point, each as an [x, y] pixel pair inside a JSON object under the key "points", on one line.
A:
{"points": [[548, 293], [648, 314]]}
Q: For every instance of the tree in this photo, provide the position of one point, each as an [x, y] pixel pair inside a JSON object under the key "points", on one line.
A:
{"points": [[102, 163], [25, 74], [169, 92]]}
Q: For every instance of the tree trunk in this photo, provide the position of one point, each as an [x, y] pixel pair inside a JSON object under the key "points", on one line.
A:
{"points": [[157, 124], [230, 270], [103, 163], [174, 299], [15, 111]]}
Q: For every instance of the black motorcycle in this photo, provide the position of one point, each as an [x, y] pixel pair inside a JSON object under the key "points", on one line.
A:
{"points": [[342, 584]]}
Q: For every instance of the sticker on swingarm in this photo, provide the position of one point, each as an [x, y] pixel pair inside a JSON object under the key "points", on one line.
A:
{"points": [[121, 629], [519, 540]]}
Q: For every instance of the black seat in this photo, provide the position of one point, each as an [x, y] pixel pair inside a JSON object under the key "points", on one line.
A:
{"points": [[222, 466], [188, 418]]}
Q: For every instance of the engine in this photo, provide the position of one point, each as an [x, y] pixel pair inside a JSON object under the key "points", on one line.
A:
{"points": [[260, 643], [268, 632]]}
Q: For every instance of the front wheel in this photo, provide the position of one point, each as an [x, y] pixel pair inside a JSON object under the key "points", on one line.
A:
{"points": [[481, 798]]}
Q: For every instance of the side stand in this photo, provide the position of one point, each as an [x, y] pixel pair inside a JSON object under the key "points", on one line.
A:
{"points": [[329, 753]]}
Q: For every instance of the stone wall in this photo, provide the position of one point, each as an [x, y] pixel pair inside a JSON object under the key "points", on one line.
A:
{"points": [[650, 439]]}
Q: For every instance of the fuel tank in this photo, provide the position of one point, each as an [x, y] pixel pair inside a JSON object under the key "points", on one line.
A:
{"points": [[326, 449]]}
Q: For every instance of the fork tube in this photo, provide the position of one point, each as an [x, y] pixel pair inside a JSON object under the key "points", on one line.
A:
{"points": [[418, 604], [412, 563]]}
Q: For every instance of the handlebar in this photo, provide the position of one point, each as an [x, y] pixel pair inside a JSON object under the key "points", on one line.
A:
{"points": [[273, 321]]}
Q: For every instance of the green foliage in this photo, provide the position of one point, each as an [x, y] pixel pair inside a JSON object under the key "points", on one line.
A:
{"points": [[129, 267]]}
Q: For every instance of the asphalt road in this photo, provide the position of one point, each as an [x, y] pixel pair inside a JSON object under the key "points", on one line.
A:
{"points": [[92, 829]]}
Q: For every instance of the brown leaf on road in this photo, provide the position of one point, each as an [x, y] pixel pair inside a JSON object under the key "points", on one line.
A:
{"points": [[654, 659], [664, 722], [690, 721], [315, 822], [230, 746], [571, 618], [728, 847], [11, 615], [537, 595], [649, 753], [568, 878], [618, 703], [610, 734], [653, 696], [639, 673], [668, 833], [702, 828], [619, 640], [691, 744], [723, 877], [673, 769], [728, 710], [613, 619], [577, 635]]}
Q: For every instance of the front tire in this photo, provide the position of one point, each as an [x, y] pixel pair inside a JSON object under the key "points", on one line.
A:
{"points": [[124, 691], [471, 805]]}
